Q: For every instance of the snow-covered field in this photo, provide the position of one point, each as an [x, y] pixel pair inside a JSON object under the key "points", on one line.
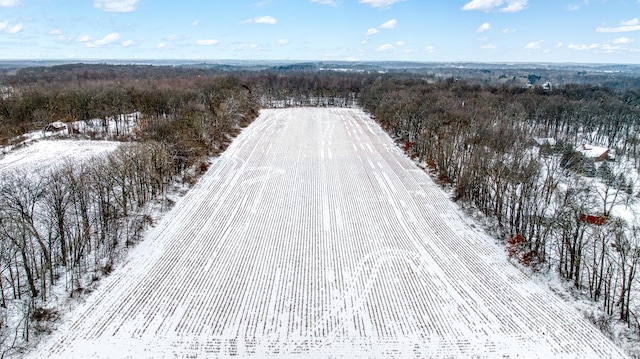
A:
{"points": [[313, 235], [44, 154]]}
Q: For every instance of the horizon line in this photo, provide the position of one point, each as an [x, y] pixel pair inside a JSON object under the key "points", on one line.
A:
{"points": [[290, 61]]}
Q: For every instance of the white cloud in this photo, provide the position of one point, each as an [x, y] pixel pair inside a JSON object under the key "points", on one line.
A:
{"points": [[116, 5], [573, 7], [164, 45], [560, 44], [611, 49], [327, 2], [584, 47], [483, 5], [385, 47], [623, 40], [501, 5], [283, 42], [351, 58], [430, 49], [107, 40], [16, 29], [267, 20], [83, 38], [515, 6], [383, 4], [508, 31], [5, 28], [372, 31], [391, 24], [484, 27], [625, 26], [9, 3], [207, 42], [534, 45], [261, 4], [400, 43], [55, 32], [489, 47], [128, 43], [606, 48], [195, 23], [247, 47]]}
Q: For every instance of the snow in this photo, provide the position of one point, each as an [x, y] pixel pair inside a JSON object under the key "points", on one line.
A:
{"points": [[591, 151], [545, 141], [119, 127], [123, 124], [45, 154], [313, 235]]}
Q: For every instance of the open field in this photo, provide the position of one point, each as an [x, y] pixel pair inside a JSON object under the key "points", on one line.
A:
{"points": [[44, 155], [313, 235]]}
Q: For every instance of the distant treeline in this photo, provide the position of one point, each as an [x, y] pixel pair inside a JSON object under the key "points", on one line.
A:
{"points": [[193, 114]]}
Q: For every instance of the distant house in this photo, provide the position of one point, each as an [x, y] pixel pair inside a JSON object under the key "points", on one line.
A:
{"points": [[55, 127], [547, 86], [596, 153], [591, 219]]}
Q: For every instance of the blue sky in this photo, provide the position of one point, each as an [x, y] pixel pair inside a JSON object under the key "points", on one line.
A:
{"points": [[586, 31]]}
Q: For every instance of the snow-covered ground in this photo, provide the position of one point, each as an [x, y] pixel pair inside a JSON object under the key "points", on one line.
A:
{"points": [[313, 235], [118, 127], [44, 154]]}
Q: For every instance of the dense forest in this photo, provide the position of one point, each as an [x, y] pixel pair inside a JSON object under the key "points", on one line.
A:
{"points": [[516, 155]]}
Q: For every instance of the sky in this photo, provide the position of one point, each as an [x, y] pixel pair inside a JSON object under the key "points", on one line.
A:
{"points": [[561, 31]]}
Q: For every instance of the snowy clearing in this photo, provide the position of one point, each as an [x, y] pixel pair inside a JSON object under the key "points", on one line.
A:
{"points": [[313, 235], [45, 154]]}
